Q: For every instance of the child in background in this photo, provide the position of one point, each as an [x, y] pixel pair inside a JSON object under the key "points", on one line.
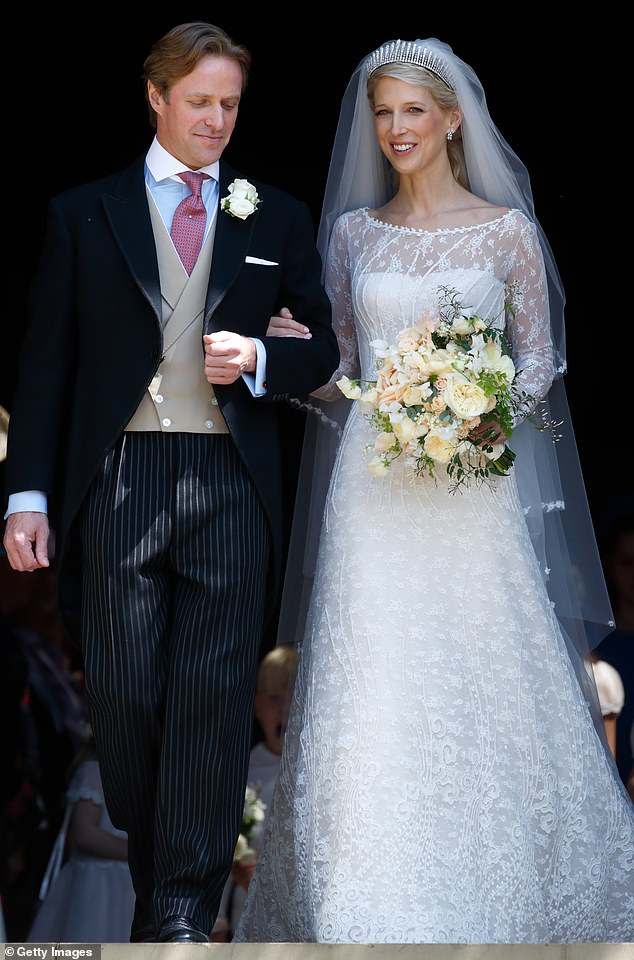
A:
{"points": [[611, 694], [276, 677], [616, 539], [90, 898]]}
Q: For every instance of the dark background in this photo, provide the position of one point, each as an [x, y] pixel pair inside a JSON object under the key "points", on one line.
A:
{"points": [[80, 113]]}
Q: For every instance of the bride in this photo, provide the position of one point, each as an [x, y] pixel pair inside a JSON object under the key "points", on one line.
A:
{"points": [[443, 778]]}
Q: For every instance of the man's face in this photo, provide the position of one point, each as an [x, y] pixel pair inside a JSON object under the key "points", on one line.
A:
{"points": [[196, 120]]}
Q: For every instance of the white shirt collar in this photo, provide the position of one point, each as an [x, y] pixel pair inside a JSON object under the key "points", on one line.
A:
{"points": [[162, 164]]}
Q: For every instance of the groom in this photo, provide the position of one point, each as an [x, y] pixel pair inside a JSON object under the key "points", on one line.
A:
{"points": [[143, 422]]}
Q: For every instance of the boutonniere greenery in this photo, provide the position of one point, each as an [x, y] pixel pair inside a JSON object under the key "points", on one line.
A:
{"points": [[242, 199]]}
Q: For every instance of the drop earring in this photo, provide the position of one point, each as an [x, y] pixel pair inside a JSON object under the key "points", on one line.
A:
{"points": [[450, 133]]}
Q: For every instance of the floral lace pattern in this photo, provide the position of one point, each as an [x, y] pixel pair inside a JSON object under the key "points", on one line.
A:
{"points": [[442, 779]]}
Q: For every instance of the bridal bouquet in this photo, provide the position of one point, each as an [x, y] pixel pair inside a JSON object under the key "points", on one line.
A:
{"points": [[437, 388], [252, 821]]}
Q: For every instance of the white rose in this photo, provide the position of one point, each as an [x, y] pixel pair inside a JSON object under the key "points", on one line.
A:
{"points": [[467, 400], [243, 189], [462, 325], [240, 207], [242, 199], [494, 359]]}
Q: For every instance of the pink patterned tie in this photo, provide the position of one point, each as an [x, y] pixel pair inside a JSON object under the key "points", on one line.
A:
{"points": [[188, 225]]}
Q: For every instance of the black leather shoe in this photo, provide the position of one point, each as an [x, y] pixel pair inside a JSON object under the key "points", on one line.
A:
{"points": [[181, 930]]}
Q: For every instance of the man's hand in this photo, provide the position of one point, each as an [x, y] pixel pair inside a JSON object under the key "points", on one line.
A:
{"points": [[283, 325], [228, 356], [26, 540]]}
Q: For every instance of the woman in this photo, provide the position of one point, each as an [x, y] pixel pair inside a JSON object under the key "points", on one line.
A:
{"points": [[443, 778]]}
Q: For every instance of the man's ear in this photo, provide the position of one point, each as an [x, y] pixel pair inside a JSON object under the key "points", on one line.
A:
{"points": [[155, 99]]}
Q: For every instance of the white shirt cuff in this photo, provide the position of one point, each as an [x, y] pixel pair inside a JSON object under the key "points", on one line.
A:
{"points": [[256, 381]]}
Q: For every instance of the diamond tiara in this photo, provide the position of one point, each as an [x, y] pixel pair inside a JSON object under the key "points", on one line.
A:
{"points": [[406, 51]]}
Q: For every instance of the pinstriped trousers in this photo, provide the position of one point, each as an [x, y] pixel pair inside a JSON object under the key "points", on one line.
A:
{"points": [[175, 557]]}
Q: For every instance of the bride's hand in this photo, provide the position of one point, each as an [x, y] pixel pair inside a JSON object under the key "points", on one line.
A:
{"points": [[283, 325], [489, 433]]}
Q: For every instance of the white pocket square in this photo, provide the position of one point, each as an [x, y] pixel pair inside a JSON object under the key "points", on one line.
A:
{"points": [[263, 263]]}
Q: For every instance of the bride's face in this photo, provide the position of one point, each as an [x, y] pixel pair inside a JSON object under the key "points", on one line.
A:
{"points": [[410, 126]]}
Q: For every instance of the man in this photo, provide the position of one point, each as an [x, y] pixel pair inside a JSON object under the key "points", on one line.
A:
{"points": [[142, 421]]}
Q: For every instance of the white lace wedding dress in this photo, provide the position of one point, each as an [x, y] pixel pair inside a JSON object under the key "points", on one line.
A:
{"points": [[442, 779]]}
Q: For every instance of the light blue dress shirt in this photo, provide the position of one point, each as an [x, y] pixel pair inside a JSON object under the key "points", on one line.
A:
{"points": [[167, 189]]}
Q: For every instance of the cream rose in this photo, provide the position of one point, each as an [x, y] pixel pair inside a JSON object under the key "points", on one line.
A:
{"points": [[438, 448], [466, 399], [384, 442], [405, 430], [442, 362], [416, 362], [408, 340]]}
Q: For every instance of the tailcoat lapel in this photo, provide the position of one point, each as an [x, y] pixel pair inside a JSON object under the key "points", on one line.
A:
{"points": [[230, 246], [129, 217]]}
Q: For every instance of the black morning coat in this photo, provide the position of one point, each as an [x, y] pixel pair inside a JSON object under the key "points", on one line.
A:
{"points": [[94, 343]]}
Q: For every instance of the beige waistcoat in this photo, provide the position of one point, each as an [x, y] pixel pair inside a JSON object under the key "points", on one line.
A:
{"points": [[179, 398]]}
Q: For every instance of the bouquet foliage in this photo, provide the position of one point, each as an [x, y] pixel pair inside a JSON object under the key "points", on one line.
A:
{"points": [[445, 394]]}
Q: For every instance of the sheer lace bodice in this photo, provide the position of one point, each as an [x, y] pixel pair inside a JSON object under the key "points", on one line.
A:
{"points": [[382, 278], [442, 779]]}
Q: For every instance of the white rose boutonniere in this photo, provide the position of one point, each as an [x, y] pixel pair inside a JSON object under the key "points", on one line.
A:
{"points": [[242, 199]]}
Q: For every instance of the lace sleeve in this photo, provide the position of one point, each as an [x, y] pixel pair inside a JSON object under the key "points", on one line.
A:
{"points": [[337, 282], [528, 324]]}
